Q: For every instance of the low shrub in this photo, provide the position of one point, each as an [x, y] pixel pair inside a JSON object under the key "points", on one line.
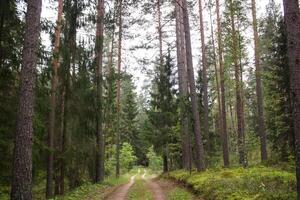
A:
{"points": [[255, 183]]}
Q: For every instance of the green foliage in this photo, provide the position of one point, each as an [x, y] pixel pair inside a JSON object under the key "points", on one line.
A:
{"points": [[277, 84], [162, 113], [155, 161], [93, 191], [127, 157], [263, 183], [179, 194]]}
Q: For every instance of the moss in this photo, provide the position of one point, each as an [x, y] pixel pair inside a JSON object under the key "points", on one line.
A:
{"points": [[179, 194], [259, 183]]}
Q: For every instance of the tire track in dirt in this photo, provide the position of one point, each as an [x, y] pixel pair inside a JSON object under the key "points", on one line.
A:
{"points": [[121, 192], [154, 187]]}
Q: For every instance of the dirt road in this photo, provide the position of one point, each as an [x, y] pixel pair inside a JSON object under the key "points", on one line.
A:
{"points": [[121, 192]]}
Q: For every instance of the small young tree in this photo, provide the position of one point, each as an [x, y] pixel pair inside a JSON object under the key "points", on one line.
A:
{"points": [[127, 157], [155, 161]]}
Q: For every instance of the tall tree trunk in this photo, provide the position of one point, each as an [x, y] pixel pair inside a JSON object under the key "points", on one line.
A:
{"points": [[99, 119], [239, 98], [225, 145], [183, 89], [204, 75], [2, 15], [292, 20], [52, 115], [165, 163], [63, 130], [216, 73], [259, 89], [200, 164], [73, 39], [22, 160], [119, 87], [159, 29]]}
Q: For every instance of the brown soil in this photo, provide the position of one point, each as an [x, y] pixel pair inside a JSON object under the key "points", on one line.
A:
{"points": [[154, 186], [120, 193]]}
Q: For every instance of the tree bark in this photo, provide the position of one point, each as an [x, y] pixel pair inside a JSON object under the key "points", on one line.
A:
{"points": [[22, 160], [200, 163], [292, 20], [52, 115], [204, 75], [225, 144], [63, 132], [259, 89], [239, 98], [119, 87], [183, 89], [219, 127], [159, 29], [99, 119]]}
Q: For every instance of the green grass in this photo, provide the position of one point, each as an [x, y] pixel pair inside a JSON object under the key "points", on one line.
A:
{"points": [[179, 194], [139, 190], [93, 190], [255, 183]]}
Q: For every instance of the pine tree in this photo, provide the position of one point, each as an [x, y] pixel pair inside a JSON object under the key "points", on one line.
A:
{"points": [[225, 146], [259, 87], [277, 83], [183, 88], [292, 20], [129, 113], [52, 115], [204, 73], [200, 163], [99, 80], [22, 162], [162, 114]]}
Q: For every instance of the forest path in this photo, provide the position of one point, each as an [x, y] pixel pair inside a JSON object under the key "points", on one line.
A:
{"points": [[121, 192], [158, 193], [148, 186], [163, 189]]}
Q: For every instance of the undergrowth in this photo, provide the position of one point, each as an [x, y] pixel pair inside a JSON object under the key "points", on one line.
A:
{"points": [[179, 194], [255, 183]]}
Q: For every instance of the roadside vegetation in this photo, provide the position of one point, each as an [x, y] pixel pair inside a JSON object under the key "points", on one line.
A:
{"points": [[257, 183]]}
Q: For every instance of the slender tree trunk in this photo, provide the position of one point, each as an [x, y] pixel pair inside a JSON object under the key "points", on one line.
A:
{"points": [[259, 88], [73, 34], [225, 145], [159, 29], [99, 119], [52, 115], [216, 73], [111, 53], [183, 89], [63, 130], [204, 74], [292, 20], [239, 98], [165, 163], [200, 164], [119, 87], [22, 160], [2, 15]]}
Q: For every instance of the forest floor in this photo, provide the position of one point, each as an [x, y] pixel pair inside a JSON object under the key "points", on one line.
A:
{"points": [[147, 186]]}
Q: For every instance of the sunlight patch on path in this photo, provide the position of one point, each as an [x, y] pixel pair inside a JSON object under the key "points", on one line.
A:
{"points": [[144, 175]]}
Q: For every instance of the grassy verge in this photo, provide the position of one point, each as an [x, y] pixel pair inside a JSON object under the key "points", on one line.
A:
{"points": [[255, 183], [94, 191], [179, 194]]}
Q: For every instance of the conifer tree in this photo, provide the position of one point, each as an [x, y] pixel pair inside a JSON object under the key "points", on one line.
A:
{"points": [[22, 161]]}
